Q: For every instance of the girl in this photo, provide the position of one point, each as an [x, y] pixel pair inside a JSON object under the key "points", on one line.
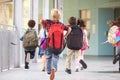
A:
{"points": [[81, 24], [43, 45]]}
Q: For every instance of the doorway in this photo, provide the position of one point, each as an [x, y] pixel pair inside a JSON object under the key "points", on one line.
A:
{"points": [[116, 12], [116, 15]]}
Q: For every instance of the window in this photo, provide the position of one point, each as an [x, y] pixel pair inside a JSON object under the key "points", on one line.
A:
{"points": [[1, 1], [85, 15], [26, 13], [6, 15]]}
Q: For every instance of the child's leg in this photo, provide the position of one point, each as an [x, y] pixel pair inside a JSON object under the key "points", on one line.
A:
{"points": [[27, 60], [82, 54], [81, 57], [77, 63], [43, 62], [77, 58], [28, 57], [83, 64]]}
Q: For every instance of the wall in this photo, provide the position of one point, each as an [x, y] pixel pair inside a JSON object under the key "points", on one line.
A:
{"points": [[71, 8], [8, 49], [96, 18]]}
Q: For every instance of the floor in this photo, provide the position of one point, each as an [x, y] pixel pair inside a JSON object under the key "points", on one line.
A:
{"points": [[99, 68]]}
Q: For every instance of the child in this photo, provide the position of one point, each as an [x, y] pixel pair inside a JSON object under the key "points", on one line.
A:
{"points": [[30, 50], [70, 50], [43, 45], [81, 24], [52, 59]]}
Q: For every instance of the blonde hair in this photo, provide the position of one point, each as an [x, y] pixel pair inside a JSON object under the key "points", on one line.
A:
{"points": [[55, 14]]}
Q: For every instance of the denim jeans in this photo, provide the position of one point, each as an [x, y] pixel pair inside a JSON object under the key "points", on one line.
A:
{"points": [[52, 61], [118, 50]]}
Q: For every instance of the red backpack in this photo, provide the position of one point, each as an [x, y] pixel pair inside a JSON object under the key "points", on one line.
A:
{"points": [[56, 38]]}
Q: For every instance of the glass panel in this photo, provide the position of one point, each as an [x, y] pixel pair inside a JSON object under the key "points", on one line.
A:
{"points": [[26, 13], [83, 14], [88, 24], [6, 15], [88, 14], [5, 1]]}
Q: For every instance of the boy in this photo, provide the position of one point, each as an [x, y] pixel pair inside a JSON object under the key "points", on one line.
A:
{"points": [[30, 42], [52, 57]]}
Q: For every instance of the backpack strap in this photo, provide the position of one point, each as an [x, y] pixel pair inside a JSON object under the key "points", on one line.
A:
{"points": [[53, 40], [45, 33], [44, 39], [61, 41]]}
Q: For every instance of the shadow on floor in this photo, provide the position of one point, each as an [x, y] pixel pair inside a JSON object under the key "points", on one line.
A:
{"points": [[105, 71]]}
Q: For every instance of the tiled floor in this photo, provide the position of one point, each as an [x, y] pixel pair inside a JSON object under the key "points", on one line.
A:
{"points": [[99, 68]]}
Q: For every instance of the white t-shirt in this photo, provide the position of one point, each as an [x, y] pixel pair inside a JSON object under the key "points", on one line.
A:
{"points": [[42, 33]]}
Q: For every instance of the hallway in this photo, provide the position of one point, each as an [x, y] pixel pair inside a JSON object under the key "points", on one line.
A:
{"points": [[99, 68]]}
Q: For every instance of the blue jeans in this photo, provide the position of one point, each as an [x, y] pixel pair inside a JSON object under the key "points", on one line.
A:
{"points": [[118, 50], [52, 61]]}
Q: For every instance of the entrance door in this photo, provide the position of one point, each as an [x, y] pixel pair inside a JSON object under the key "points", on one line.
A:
{"points": [[104, 15]]}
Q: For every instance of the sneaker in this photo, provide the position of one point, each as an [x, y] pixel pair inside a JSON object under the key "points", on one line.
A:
{"points": [[119, 70], [68, 71], [43, 69], [26, 67], [52, 75], [77, 70], [83, 64], [48, 73], [116, 59]]}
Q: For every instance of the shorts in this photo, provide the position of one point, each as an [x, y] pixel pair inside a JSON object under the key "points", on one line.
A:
{"points": [[32, 53], [43, 51]]}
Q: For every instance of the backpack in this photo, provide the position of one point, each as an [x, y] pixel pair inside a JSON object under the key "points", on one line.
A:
{"points": [[114, 35], [56, 38], [30, 40], [75, 38]]}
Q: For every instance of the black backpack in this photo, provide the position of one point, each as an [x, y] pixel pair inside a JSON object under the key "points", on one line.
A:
{"points": [[75, 38]]}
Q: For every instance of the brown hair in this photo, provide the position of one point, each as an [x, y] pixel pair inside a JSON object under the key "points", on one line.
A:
{"points": [[81, 23], [72, 20], [31, 23], [116, 22], [111, 23]]}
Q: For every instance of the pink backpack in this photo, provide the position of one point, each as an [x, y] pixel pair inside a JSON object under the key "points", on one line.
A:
{"points": [[44, 44]]}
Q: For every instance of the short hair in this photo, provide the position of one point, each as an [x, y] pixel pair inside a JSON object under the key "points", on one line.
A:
{"points": [[55, 14], [81, 23], [31, 23], [72, 20]]}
